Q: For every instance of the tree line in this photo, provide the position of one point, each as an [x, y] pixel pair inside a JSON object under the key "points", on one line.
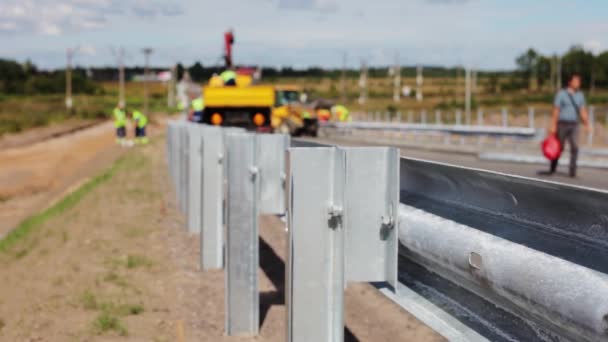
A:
{"points": [[26, 78], [534, 71]]}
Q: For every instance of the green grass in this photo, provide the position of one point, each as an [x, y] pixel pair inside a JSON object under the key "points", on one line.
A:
{"points": [[32, 223], [88, 300], [106, 322], [134, 261]]}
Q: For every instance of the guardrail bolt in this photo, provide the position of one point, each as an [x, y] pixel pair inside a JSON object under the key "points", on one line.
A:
{"points": [[253, 172], [335, 214]]}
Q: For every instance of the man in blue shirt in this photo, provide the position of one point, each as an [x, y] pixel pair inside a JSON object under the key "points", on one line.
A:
{"points": [[568, 106]]}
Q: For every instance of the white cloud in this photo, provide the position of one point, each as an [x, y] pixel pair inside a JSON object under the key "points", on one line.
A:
{"points": [[593, 45], [88, 50], [318, 5], [49, 29], [58, 17]]}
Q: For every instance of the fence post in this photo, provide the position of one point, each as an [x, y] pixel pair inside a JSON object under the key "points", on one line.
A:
{"points": [[184, 165], [195, 175], [505, 117], [458, 117], [480, 117], [438, 117], [531, 117], [242, 255], [592, 126]]}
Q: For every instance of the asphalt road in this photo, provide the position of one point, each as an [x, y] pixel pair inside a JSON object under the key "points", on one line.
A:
{"points": [[589, 177]]}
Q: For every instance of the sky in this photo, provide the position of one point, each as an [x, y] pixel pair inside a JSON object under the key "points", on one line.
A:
{"points": [[483, 34]]}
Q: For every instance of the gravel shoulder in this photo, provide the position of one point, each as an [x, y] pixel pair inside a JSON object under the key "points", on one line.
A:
{"points": [[118, 266]]}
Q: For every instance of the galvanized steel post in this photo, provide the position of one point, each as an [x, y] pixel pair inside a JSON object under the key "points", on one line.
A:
{"points": [[242, 255], [212, 233], [342, 227], [194, 178], [315, 265]]}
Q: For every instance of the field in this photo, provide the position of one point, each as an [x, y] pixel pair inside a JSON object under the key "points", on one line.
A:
{"points": [[439, 93], [18, 113]]}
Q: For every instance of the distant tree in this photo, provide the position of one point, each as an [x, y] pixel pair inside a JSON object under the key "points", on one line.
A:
{"points": [[577, 60], [197, 72], [12, 77], [601, 69], [180, 71], [543, 70], [527, 65]]}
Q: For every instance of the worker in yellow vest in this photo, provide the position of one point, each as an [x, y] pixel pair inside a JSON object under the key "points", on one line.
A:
{"points": [[141, 121], [323, 114], [341, 113], [197, 107], [120, 123], [229, 77]]}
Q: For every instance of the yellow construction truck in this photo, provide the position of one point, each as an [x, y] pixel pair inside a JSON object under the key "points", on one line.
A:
{"points": [[262, 108]]}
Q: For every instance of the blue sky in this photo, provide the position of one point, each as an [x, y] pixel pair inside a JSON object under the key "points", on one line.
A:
{"points": [[486, 34]]}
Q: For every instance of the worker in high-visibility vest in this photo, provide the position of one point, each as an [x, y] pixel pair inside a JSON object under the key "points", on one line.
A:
{"points": [[141, 121], [197, 106], [323, 115], [229, 77], [120, 123], [341, 113]]}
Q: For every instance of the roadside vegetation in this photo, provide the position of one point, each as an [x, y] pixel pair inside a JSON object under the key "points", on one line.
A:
{"points": [[83, 264]]}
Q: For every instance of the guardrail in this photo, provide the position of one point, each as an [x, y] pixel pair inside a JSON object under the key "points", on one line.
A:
{"points": [[523, 132], [482, 255]]}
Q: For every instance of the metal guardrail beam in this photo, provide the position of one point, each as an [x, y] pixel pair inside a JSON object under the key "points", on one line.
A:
{"points": [[558, 295], [530, 238], [524, 132]]}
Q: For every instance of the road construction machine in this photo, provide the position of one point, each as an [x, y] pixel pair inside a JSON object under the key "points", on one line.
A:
{"points": [[255, 106], [259, 107]]}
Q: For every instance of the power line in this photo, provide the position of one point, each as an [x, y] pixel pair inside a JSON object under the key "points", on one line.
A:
{"points": [[147, 52], [120, 57], [68, 77]]}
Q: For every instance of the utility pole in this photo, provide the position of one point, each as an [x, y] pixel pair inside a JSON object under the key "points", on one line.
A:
{"points": [[147, 52], [474, 85], [467, 96], [68, 78], [171, 86], [559, 72], [419, 81], [343, 79], [553, 78], [120, 60], [397, 81], [363, 83]]}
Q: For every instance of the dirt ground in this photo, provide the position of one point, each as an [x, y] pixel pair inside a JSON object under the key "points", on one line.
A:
{"points": [[39, 166], [119, 266]]}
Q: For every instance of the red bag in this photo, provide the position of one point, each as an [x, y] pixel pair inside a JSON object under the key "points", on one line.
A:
{"points": [[551, 147]]}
